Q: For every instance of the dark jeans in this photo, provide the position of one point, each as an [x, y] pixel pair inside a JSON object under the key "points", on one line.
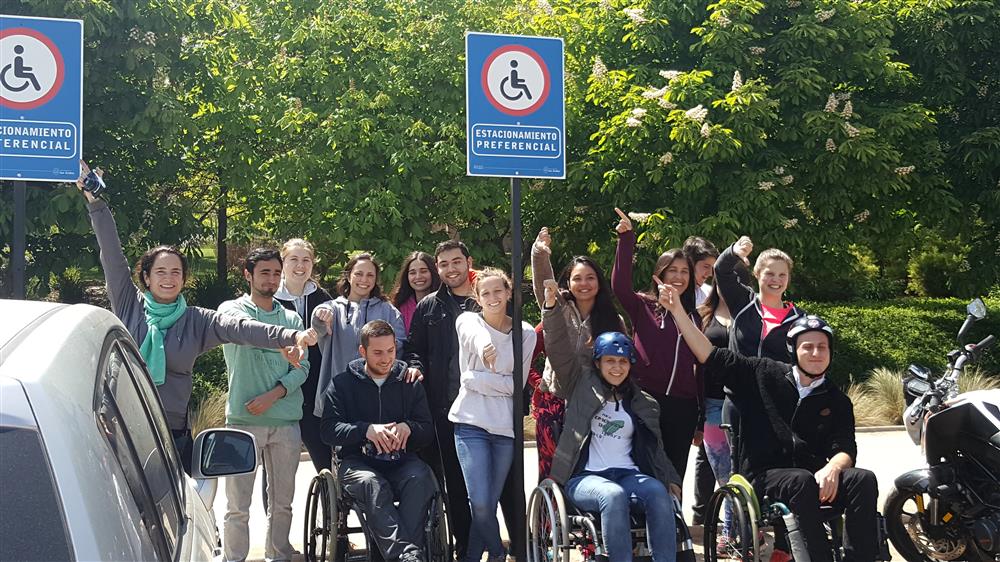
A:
{"points": [[397, 529], [319, 452], [704, 485], [185, 447], [857, 494], [678, 417]]}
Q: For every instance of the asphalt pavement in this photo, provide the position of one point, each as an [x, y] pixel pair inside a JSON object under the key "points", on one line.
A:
{"points": [[888, 453]]}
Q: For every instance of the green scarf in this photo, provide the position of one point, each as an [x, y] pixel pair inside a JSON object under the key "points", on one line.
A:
{"points": [[159, 319]]}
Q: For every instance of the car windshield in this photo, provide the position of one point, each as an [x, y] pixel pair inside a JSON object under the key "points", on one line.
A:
{"points": [[33, 525]]}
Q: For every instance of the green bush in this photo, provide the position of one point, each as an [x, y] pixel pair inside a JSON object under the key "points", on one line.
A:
{"points": [[208, 376], [895, 333], [208, 292], [71, 286]]}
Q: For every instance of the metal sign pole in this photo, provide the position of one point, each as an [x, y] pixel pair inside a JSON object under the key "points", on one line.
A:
{"points": [[518, 540], [17, 249]]}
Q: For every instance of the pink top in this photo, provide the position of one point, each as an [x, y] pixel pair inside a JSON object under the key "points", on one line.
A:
{"points": [[773, 317], [407, 309]]}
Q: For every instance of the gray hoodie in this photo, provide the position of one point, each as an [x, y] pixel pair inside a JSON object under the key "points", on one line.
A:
{"points": [[341, 347], [198, 330]]}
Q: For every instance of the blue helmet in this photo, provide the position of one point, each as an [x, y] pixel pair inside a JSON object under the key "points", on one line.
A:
{"points": [[614, 343]]}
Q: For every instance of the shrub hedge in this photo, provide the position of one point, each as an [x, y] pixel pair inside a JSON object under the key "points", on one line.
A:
{"points": [[895, 333], [870, 334]]}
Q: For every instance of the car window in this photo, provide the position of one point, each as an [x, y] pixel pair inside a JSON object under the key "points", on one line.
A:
{"points": [[33, 526], [118, 423], [155, 409], [150, 451]]}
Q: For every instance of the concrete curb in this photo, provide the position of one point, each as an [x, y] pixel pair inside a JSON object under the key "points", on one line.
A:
{"points": [[879, 429]]}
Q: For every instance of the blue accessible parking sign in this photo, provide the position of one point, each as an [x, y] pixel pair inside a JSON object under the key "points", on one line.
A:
{"points": [[41, 98], [515, 106]]}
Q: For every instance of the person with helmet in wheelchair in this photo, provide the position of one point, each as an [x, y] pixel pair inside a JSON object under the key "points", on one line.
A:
{"points": [[797, 436], [610, 454], [379, 421]]}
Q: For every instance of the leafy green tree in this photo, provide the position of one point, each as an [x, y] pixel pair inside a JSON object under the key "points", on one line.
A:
{"points": [[134, 126], [788, 121]]}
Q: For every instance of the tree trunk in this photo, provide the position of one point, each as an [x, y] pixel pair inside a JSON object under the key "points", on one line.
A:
{"points": [[221, 214]]}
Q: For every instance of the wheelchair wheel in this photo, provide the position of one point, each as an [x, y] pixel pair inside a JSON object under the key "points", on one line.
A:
{"points": [[438, 532], [738, 542], [548, 535], [321, 538]]}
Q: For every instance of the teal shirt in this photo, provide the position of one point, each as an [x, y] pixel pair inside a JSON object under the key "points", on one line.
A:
{"points": [[252, 371]]}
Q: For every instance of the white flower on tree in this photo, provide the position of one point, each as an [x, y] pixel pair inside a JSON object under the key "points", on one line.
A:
{"points": [[831, 146], [637, 15], [697, 113], [599, 70], [666, 159], [737, 81]]}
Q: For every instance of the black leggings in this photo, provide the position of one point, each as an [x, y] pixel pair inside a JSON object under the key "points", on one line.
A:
{"points": [[678, 418]]}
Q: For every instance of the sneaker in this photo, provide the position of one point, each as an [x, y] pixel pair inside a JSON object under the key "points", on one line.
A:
{"points": [[780, 556]]}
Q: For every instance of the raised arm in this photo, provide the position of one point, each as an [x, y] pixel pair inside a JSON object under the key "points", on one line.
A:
{"points": [[732, 369], [541, 264], [122, 292], [559, 350], [621, 273], [727, 276]]}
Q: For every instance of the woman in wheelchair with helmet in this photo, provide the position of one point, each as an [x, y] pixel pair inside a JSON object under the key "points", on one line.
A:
{"points": [[610, 455]]}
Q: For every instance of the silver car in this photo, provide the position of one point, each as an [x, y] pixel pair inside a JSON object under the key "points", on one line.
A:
{"points": [[88, 469]]}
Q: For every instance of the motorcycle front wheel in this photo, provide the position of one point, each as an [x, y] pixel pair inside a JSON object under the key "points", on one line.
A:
{"points": [[908, 530]]}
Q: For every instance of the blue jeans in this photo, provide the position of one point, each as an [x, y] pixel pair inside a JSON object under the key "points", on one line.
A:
{"points": [[485, 460], [612, 493]]}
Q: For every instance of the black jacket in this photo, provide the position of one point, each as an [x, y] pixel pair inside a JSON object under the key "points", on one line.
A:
{"points": [[778, 431], [432, 347], [748, 316], [353, 401], [314, 299]]}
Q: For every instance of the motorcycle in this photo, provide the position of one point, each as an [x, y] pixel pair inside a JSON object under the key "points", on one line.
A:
{"points": [[950, 510]]}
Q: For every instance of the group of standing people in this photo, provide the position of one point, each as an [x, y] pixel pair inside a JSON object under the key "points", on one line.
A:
{"points": [[416, 388]]}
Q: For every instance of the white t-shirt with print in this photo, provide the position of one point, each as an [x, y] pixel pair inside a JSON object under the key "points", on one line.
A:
{"points": [[611, 432]]}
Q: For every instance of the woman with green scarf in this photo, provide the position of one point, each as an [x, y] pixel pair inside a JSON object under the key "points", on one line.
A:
{"points": [[171, 334]]}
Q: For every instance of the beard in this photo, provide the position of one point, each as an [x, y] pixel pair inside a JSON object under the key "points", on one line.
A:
{"points": [[269, 293], [378, 371]]}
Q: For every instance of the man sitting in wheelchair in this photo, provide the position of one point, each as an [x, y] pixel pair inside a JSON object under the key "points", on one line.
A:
{"points": [[610, 454], [797, 443], [379, 422]]}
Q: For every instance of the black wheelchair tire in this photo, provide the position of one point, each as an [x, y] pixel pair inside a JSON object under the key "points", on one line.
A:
{"points": [[741, 528], [438, 532], [320, 537]]}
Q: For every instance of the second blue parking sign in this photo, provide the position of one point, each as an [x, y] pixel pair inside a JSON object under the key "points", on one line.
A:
{"points": [[515, 106]]}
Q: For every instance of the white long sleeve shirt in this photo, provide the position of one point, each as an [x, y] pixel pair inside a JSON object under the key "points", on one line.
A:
{"points": [[485, 398]]}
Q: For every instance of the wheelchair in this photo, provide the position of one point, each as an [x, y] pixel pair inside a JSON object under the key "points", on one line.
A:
{"points": [[556, 529], [330, 524], [749, 518]]}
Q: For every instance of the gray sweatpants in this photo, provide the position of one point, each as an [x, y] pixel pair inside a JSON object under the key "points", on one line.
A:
{"points": [[279, 448], [397, 530]]}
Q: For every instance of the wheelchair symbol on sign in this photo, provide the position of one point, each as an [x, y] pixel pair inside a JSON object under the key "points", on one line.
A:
{"points": [[20, 70], [515, 80], [516, 83], [31, 68]]}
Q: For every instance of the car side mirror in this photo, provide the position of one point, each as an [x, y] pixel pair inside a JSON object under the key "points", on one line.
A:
{"points": [[224, 452], [977, 309]]}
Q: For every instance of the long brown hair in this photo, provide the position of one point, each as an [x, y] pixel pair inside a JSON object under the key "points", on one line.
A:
{"points": [[403, 291], [662, 263], [344, 284]]}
